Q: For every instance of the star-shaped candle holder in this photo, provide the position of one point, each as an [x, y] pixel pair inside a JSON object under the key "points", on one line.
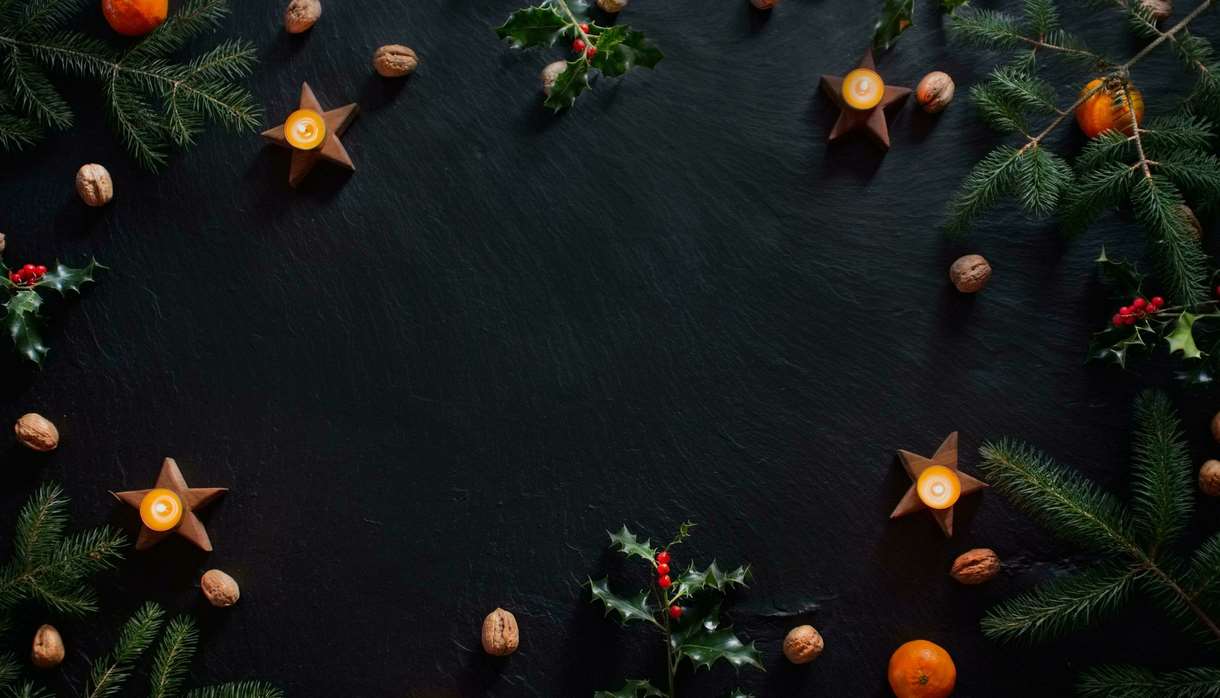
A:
{"points": [[939, 487], [317, 138], [863, 99], [172, 503]]}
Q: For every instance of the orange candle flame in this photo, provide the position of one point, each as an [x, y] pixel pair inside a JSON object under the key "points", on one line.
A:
{"points": [[161, 509], [305, 129], [938, 487], [863, 88]]}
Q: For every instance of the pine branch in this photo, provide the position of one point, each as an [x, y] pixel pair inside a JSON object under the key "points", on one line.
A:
{"points": [[1161, 473], [244, 689], [1092, 193], [1177, 255], [110, 672], [10, 669], [34, 92], [993, 177], [173, 659], [18, 132], [26, 690], [1057, 608], [1119, 681], [40, 525]]}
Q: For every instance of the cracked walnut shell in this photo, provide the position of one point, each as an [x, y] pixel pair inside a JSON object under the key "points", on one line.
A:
{"points": [[48, 650], [301, 15], [803, 644], [611, 6], [93, 185], [935, 92], [970, 273], [975, 566], [219, 588], [500, 635], [36, 432], [395, 61], [1209, 478]]}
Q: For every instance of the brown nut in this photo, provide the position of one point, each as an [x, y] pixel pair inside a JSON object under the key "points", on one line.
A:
{"points": [[219, 588], [934, 92], [395, 61], [764, 4], [970, 273], [612, 6], [301, 15], [803, 644], [36, 432], [2, 243], [550, 74], [1196, 228], [1209, 478], [1158, 9], [94, 185], [500, 634], [975, 566], [1216, 427], [48, 649]]}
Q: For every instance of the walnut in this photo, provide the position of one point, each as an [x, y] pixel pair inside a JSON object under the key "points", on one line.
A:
{"points": [[1158, 9], [970, 273], [301, 15], [550, 74], [1196, 228], [612, 6], [975, 566], [1216, 427], [1209, 478], [500, 634], [765, 5], [94, 185], [2, 243], [48, 649], [36, 432], [803, 644], [395, 61], [934, 92], [219, 588]]}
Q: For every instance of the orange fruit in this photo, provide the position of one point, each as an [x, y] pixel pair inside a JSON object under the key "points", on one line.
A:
{"points": [[135, 17], [922, 669], [1106, 109]]}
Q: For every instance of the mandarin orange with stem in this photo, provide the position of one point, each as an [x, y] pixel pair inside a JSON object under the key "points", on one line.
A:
{"points": [[135, 17], [1107, 109], [922, 669]]}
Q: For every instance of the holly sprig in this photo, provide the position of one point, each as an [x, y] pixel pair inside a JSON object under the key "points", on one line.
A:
{"points": [[23, 319], [684, 607], [1144, 323], [612, 51], [897, 16]]}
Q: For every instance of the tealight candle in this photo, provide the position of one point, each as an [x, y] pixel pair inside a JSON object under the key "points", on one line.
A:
{"points": [[863, 88], [161, 509], [305, 129], [938, 487]]}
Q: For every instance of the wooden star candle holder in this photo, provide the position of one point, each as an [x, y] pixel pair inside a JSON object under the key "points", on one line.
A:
{"points": [[936, 484], [169, 508], [863, 99], [313, 135]]}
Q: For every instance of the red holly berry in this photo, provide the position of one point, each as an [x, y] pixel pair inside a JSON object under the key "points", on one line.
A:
{"points": [[675, 611], [663, 557], [591, 52], [1157, 302], [40, 270], [29, 268], [664, 581], [1139, 303], [578, 46], [1130, 319], [584, 27], [1117, 320], [662, 568], [1218, 290], [1124, 311]]}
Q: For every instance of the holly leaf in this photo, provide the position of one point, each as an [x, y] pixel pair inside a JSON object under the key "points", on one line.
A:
{"points": [[533, 26], [895, 19], [64, 278], [1182, 338], [628, 544], [637, 688], [738, 693], [706, 647], [627, 609], [693, 580], [951, 5], [1112, 344], [1120, 275], [1197, 373], [571, 82], [24, 325], [619, 49]]}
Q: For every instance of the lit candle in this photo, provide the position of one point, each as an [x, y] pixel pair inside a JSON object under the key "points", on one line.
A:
{"points": [[863, 88], [304, 129], [161, 509], [938, 487]]}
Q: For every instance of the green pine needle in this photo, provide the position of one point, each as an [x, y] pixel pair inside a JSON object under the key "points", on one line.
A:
{"points": [[110, 672], [244, 689], [1057, 608], [1118, 681], [1162, 482], [172, 661], [1177, 255], [10, 669]]}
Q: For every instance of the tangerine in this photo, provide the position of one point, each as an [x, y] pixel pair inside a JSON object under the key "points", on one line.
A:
{"points": [[922, 669], [135, 17], [1106, 109]]}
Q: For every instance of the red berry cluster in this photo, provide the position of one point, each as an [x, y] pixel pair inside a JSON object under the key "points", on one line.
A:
{"points": [[27, 275], [1129, 314], [579, 45], [663, 581]]}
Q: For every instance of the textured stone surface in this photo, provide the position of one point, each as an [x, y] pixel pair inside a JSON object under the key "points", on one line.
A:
{"points": [[434, 383]]}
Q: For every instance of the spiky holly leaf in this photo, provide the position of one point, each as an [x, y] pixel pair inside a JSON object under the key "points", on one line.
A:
{"points": [[24, 325], [738, 693], [571, 82], [619, 49], [533, 26], [706, 647], [64, 278], [629, 544], [951, 5], [637, 688], [693, 580], [1182, 337], [895, 19], [1197, 373], [1112, 344], [636, 608], [1120, 275]]}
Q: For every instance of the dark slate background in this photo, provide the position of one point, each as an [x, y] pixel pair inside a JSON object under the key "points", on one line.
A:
{"points": [[434, 384]]}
